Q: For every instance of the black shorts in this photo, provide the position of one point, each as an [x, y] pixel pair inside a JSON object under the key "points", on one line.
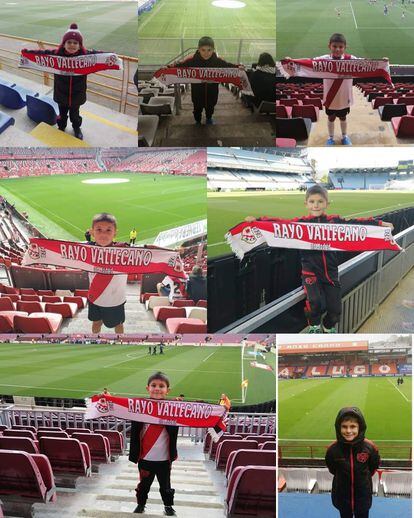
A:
{"points": [[111, 317], [339, 113]]}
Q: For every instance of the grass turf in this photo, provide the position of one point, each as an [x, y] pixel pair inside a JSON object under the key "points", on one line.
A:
{"points": [[303, 28], [78, 371], [62, 206], [109, 26], [227, 209], [308, 408], [192, 19]]}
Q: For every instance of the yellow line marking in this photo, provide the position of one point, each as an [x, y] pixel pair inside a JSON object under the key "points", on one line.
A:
{"points": [[109, 123]]}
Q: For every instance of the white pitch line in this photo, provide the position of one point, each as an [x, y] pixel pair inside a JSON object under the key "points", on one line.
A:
{"points": [[353, 14], [396, 388], [205, 359], [124, 361], [400, 205]]}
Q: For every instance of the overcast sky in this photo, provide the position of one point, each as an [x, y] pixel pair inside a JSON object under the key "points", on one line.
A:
{"points": [[328, 158]]}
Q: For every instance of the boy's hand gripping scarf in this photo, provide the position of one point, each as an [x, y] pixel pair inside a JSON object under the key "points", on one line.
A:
{"points": [[329, 237], [158, 411], [335, 68], [180, 75], [70, 66]]}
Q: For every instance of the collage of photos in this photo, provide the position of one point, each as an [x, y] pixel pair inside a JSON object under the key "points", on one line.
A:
{"points": [[206, 258]]}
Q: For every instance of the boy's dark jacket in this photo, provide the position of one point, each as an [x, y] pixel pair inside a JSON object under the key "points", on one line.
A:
{"points": [[352, 464], [324, 265], [68, 90], [135, 444], [263, 86], [205, 94]]}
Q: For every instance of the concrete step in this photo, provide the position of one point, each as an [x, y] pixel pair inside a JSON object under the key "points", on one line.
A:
{"points": [[181, 498], [152, 511], [205, 482], [194, 489]]}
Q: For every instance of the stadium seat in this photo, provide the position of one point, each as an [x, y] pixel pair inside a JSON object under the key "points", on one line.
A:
{"points": [[155, 301], [187, 325], [66, 309], [161, 313], [201, 304], [14, 96], [268, 445], [70, 431], [388, 111], [260, 439], [299, 479], [43, 293], [5, 121], [227, 446], [18, 444], [193, 312], [51, 298], [7, 320], [249, 458], [296, 128], [19, 433], [11, 290], [81, 293], [408, 101], [12, 296], [381, 101], [66, 455], [147, 128], [323, 480], [27, 476], [42, 109], [80, 301], [288, 102], [145, 296], [267, 107], [252, 492], [306, 111], [116, 440], [214, 445], [181, 303], [51, 433], [158, 106], [28, 291], [29, 276], [99, 446], [29, 306], [29, 298], [68, 280], [396, 482], [315, 101], [38, 323], [403, 126], [285, 142], [49, 429], [24, 427], [6, 304], [283, 112]]}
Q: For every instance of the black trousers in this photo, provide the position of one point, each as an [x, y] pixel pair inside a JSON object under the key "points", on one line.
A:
{"points": [[349, 514], [198, 110], [74, 116], [317, 292], [148, 470]]}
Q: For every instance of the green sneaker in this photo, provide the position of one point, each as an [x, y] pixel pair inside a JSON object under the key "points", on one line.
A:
{"points": [[329, 329], [315, 329]]}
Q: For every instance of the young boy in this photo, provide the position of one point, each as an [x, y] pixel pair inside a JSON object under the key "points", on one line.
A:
{"points": [[107, 294], [154, 448], [320, 277], [352, 460], [204, 95]]}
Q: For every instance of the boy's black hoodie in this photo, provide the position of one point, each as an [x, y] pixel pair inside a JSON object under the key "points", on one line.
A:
{"points": [[352, 463]]}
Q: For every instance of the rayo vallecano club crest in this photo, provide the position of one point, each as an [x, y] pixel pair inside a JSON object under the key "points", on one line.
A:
{"points": [[102, 406], [248, 236], [111, 60], [36, 252]]}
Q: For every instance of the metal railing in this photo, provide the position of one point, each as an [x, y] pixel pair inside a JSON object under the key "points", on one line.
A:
{"points": [[359, 303], [388, 450], [114, 88]]}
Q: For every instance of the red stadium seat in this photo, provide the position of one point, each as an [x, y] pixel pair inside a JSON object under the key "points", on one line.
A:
{"points": [[51, 433], [43, 293], [249, 458], [201, 304], [306, 111], [11, 290], [283, 111], [186, 325], [80, 301], [71, 431], [252, 492], [98, 446], [32, 298], [116, 440], [260, 439], [285, 142], [288, 102], [315, 101], [18, 444], [403, 126], [51, 298], [24, 427], [182, 303], [145, 296], [213, 445], [19, 433], [12, 296], [49, 429], [29, 306], [81, 293], [161, 313], [27, 291], [66, 309], [6, 304], [38, 323], [227, 446], [27, 476], [406, 100], [268, 445], [66, 455]]}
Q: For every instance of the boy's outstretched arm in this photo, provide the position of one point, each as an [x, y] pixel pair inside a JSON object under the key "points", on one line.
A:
{"points": [[361, 221]]}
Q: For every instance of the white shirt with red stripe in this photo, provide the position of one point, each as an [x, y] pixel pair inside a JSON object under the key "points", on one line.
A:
{"points": [[343, 98], [107, 290], [155, 443]]}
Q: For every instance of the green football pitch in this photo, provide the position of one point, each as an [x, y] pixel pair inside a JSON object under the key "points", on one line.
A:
{"points": [[62, 206], [160, 30], [308, 408], [78, 371], [227, 209], [108, 26], [303, 28]]}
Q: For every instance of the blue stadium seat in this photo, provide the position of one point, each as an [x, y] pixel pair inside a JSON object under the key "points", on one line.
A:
{"points": [[42, 109], [5, 121], [13, 96]]}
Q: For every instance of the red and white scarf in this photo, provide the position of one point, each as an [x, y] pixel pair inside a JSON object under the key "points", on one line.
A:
{"points": [[180, 75], [105, 260], [70, 66], [157, 411], [329, 237], [335, 68]]}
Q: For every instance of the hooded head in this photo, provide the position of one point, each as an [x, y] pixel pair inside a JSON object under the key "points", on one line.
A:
{"points": [[352, 414]]}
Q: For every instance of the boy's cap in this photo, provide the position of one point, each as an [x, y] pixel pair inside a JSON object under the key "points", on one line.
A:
{"points": [[73, 33], [206, 41], [350, 412]]}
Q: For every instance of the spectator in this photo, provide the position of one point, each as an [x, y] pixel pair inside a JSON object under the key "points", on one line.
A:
{"points": [[197, 285], [263, 79]]}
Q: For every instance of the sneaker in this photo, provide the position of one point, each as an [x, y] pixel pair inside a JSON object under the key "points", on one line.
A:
{"points": [[78, 133], [346, 141], [210, 121], [329, 329], [315, 329], [197, 123], [140, 508], [169, 511], [330, 141]]}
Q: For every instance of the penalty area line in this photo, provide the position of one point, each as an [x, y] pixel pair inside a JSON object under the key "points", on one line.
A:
{"points": [[396, 388], [353, 15]]}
